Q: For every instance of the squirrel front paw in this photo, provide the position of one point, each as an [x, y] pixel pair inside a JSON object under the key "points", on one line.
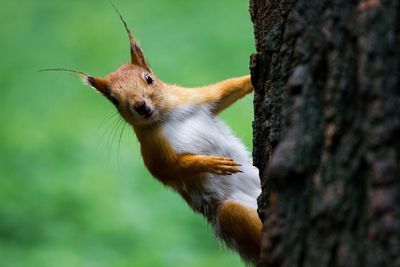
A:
{"points": [[222, 165]]}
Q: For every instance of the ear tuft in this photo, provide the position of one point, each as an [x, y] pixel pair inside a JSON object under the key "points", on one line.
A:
{"points": [[101, 85], [137, 57]]}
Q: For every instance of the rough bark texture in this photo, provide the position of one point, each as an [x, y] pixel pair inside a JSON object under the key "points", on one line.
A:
{"points": [[327, 131]]}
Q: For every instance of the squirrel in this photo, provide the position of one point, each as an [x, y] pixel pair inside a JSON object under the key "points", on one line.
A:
{"points": [[188, 148]]}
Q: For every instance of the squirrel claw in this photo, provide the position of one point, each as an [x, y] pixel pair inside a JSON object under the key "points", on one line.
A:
{"points": [[223, 165]]}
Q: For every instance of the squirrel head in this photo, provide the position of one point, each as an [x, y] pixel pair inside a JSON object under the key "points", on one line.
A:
{"points": [[135, 92], [133, 88]]}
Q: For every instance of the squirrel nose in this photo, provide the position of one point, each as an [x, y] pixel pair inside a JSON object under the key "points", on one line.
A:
{"points": [[142, 108]]}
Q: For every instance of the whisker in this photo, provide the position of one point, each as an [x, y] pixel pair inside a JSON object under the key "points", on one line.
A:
{"points": [[112, 136], [108, 122], [105, 120], [116, 135], [107, 117], [122, 128]]}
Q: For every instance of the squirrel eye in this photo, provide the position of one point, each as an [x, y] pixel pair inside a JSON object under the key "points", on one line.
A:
{"points": [[148, 79]]}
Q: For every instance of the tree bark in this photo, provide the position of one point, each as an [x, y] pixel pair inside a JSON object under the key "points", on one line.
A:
{"points": [[327, 131]]}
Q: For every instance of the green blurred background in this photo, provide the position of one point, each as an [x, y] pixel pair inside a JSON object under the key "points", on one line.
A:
{"points": [[72, 192]]}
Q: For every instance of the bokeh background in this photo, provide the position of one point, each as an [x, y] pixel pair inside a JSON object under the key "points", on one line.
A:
{"points": [[73, 188]]}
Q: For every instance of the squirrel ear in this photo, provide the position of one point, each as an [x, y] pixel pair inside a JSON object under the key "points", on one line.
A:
{"points": [[100, 84], [137, 57]]}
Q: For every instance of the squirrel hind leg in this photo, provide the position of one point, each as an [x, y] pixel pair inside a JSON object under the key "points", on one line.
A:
{"points": [[240, 227]]}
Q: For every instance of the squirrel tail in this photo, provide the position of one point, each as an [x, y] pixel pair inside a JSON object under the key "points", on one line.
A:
{"points": [[240, 227]]}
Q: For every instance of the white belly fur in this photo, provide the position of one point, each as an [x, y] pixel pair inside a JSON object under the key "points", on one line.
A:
{"points": [[195, 130]]}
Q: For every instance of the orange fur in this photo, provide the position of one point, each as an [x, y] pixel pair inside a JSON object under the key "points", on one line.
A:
{"points": [[170, 167], [221, 95], [225, 93], [242, 225]]}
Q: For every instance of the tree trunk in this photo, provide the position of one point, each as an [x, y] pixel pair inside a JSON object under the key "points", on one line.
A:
{"points": [[327, 131]]}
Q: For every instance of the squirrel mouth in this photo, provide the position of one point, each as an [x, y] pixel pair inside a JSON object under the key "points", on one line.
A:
{"points": [[147, 114]]}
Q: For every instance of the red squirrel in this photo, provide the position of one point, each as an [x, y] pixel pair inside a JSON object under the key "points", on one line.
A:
{"points": [[188, 148]]}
